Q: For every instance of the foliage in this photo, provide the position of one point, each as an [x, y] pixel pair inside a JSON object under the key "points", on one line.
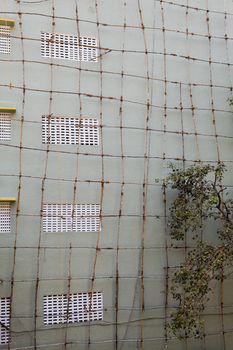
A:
{"points": [[201, 198]]}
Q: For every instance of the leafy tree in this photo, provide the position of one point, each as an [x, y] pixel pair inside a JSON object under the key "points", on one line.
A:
{"points": [[200, 198]]}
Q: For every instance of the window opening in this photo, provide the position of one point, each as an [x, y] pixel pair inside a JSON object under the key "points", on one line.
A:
{"points": [[79, 307], [5, 127], [5, 42], [4, 320], [70, 47], [5, 217], [69, 217], [70, 131]]}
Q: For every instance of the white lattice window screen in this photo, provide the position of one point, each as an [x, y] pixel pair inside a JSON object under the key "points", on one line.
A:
{"points": [[69, 47], [5, 217], [69, 217], [5, 127], [4, 320], [79, 307], [70, 131], [5, 42]]}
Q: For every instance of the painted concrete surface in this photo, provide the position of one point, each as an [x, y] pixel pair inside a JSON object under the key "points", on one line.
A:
{"points": [[160, 91]]}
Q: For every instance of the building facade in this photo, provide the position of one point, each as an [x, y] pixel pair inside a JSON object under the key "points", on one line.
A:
{"points": [[96, 99]]}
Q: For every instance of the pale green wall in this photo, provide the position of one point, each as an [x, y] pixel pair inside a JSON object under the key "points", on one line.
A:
{"points": [[64, 77]]}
